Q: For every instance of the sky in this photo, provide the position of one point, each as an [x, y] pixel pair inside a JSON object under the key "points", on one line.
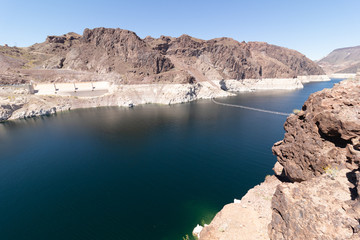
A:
{"points": [[312, 27]]}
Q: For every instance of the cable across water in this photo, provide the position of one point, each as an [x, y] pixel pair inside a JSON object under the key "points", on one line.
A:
{"points": [[250, 108]]}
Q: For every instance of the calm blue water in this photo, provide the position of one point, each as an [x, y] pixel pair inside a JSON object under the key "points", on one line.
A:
{"points": [[152, 172]]}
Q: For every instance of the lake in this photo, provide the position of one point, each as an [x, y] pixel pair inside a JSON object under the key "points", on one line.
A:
{"points": [[151, 172]]}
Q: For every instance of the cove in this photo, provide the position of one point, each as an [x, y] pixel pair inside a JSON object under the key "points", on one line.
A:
{"points": [[151, 172]]}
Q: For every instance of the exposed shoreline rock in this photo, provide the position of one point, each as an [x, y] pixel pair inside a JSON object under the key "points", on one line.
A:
{"points": [[320, 134], [313, 78], [343, 75], [317, 194], [48, 101]]}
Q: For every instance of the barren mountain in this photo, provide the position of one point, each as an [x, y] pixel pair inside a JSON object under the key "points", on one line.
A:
{"points": [[342, 60], [130, 59]]}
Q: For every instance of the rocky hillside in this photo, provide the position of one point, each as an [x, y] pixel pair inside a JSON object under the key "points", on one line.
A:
{"points": [[131, 59], [342, 60], [316, 195]]}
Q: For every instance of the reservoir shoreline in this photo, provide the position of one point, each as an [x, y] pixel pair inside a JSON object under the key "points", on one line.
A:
{"points": [[18, 103], [117, 158]]}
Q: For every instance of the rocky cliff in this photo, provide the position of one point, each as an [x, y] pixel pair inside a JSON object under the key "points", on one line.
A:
{"points": [[134, 60], [317, 194], [322, 134], [320, 156], [342, 60]]}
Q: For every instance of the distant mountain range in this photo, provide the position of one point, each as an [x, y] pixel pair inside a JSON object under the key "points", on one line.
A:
{"points": [[342, 60], [150, 60]]}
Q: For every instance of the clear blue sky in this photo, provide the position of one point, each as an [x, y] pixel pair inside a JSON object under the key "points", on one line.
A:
{"points": [[313, 27]]}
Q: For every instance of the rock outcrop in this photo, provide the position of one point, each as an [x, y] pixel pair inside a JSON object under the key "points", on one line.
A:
{"points": [[317, 194], [322, 133], [320, 153], [117, 50], [10, 104]]}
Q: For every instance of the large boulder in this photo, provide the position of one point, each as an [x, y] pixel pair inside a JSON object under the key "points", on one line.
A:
{"points": [[324, 133]]}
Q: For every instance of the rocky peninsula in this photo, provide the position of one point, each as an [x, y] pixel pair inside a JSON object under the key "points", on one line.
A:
{"points": [[314, 193], [70, 71]]}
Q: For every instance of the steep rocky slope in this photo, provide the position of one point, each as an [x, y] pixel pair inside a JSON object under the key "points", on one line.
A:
{"points": [[135, 60], [277, 61], [342, 60], [318, 166]]}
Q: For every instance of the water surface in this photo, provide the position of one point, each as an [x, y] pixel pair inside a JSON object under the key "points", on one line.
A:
{"points": [[152, 172]]}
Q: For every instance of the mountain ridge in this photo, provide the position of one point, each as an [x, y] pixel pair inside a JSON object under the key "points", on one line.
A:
{"points": [[342, 60], [135, 60]]}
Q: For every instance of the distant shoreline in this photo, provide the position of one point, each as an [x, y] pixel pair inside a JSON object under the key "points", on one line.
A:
{"points": [[17, 103], [342, 75]]}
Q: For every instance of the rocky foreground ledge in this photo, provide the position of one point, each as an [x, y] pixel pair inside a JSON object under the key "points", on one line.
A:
{"points": [[315, 191]]}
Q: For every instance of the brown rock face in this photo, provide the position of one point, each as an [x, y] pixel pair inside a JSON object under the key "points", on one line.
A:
{"points": [[324, 133], [117, 47], [282, 62], [231, 59], [321, 154], [225, 58], [320, 208], [234, 60], [166, 59]]}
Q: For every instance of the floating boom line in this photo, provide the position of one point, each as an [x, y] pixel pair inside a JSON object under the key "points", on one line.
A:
{"points": [[249, 108]]}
